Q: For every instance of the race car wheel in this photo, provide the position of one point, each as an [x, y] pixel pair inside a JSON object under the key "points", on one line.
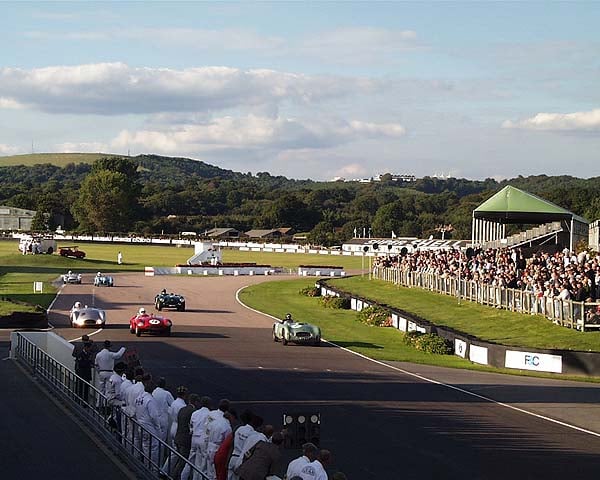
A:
{"points": [[275, 339], [284, 340], [131, 330], [138, 332], [159, 307], [317, 342], [181, 309], [168, 332]]}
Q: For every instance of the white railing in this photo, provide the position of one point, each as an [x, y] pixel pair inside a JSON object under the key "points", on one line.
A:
{"points": [[580, 315], [152, 457]]}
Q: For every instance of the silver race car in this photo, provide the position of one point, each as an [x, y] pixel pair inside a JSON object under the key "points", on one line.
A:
{"points": [[71, 277], [101, 280], [88, 317], [290, 331]]}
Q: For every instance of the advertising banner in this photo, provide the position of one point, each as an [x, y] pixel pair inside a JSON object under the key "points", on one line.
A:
{"points": [[539, 362], [478, 354]]}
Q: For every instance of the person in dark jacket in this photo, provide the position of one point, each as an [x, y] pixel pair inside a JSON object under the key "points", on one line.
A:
{"points": [[262, 459], [84, 362], [183, 436]]}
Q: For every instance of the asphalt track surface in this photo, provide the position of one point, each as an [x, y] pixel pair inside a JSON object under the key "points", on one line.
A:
{"points": [[380, 421]]}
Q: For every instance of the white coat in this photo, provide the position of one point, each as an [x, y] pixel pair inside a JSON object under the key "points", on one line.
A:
{"points": [[164, 399], [313, 471], [239, 438], [177, 405], [295, 467], [252, 440], [217, 428], [113, 389]]}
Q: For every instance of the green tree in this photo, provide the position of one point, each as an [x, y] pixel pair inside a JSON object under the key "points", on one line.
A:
{"points": [[106, 203]]}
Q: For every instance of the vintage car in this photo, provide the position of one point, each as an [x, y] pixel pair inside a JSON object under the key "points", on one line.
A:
{"points": [[150, 323], [71, 277], [289, 331], [169, 300], [73, 252], [103, 281], [88, 317]]}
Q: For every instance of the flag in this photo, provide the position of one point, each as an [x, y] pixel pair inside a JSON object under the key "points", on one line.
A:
{"points": [[393, 234]]}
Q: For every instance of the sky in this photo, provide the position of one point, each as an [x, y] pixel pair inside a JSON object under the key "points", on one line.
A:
{"points": [[313, 90]]}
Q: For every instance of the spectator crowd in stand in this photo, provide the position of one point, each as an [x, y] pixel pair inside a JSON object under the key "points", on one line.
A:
{"points": [[563, 274], [209, 434]]}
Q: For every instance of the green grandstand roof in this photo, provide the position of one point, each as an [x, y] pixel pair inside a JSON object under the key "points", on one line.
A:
{"points": [[511, 199], [511, 205]]}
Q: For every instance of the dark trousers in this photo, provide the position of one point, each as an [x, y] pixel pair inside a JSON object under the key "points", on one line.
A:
{"points": [[83, 388], [184, 451]]}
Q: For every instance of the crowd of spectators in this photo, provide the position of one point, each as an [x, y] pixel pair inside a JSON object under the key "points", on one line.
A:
{"points": [[564, 274], [209, 434]]}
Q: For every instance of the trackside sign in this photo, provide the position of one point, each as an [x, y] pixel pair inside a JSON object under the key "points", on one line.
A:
{"points": [[539, 362]]}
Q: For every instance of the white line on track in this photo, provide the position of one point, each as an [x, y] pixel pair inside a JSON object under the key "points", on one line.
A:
{"points": [[436, 382]]}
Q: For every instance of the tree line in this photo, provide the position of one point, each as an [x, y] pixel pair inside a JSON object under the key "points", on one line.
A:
{"points": [[149, 194]]}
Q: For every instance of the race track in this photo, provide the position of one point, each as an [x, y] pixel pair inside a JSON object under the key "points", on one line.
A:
{"points": [[379, 422]]}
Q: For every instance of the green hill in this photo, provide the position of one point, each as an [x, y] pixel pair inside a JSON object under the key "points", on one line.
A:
{"points": [[58, 159]]}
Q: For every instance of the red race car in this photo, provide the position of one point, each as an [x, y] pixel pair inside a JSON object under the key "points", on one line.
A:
{"points": [[71, 252], [144, 322]]}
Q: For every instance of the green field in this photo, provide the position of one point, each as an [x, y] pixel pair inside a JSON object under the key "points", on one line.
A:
{"points": [[18, 272], [58, 159]]}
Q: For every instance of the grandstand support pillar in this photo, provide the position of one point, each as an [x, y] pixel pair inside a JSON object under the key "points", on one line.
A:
{"points": [[571, 235], [473, 228]]}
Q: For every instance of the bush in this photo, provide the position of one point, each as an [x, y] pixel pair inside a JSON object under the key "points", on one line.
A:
{"points": [[335, 302], [428, 342], [311, 292], [376, 316]]}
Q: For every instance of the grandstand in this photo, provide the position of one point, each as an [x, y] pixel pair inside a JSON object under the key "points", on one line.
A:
{"points": [[555, 225]]}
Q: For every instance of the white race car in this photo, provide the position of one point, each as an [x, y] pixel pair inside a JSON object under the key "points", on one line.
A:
{"points": [[71, 277], [88, 317]]}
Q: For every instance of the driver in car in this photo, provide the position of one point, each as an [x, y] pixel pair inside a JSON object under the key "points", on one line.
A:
{"points": [[288, 318]]}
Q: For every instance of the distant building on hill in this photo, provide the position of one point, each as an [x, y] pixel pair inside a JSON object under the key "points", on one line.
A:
{"points": [[12, 218]]}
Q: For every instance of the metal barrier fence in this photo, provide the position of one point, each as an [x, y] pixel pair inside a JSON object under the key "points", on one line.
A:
{"points": [[579, 315], [141, 446]]}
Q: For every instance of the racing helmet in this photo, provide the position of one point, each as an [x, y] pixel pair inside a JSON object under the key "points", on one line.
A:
{"points": [[69, 272], [288, 316], [98, 274], [77, 305], [142, 310]]}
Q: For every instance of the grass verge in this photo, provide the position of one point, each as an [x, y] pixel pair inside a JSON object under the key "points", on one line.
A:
{"points": [[343, 328], [489, 324]]}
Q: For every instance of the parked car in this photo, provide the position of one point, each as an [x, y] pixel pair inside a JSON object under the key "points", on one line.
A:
{"points": [[169, 300], [88, 317], [297, 332], [73, 252], [71, 277], [103, 280], [144, 322]]}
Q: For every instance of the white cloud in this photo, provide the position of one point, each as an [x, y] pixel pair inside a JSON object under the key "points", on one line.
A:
{"points": [[352, 170], [254, 132], [8, 149], [578, 121], [10, 103], [81, 147], [116, 88]]}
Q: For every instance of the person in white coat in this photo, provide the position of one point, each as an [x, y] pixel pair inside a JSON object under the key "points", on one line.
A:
{"points": [[309, 454], [217, 428], [198, 431], [164, 399], [239, 438], [147, 416], [178, 404], [315, 470], [131, 395], [253, 438], [105, 364]]}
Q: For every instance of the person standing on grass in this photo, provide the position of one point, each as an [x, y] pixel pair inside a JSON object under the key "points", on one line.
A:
{"points": [[119, 258]]}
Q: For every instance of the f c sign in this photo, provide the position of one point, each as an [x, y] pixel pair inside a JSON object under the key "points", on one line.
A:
{"points": [[532, 360]]}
